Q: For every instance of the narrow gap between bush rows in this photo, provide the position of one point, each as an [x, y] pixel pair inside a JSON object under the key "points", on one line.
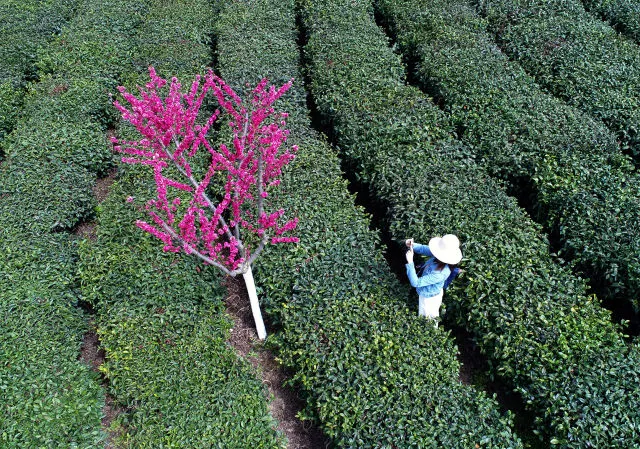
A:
{"points": [[91, 351], [474, 368], [523, 191], [285, 400]]}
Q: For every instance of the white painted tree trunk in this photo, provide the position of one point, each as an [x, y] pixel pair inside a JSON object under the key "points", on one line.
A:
{"points": [[255, 305]]}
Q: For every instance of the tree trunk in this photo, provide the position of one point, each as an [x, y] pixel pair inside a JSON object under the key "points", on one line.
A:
{"points": [[255, 305]]}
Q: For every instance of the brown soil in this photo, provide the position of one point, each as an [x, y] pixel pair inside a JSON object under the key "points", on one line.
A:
{"points": [[88, 229], [94, 356], [474, 370], [286, 402], [101, 189], [90, 352], [110, 413]]}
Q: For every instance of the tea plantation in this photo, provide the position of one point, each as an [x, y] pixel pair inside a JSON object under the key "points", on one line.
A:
{"points": [[511, 124]]}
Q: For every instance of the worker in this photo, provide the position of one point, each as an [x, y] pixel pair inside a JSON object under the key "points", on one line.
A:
{"points": [[435, 274]]}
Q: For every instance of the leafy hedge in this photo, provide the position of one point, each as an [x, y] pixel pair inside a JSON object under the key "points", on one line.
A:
{"points": [[53, 156], [578, 184], [160, 317], [576, 57], [61, 139], [530, 316], [161, 322], [60, 144], [172, 45], [47, 397], [374, 374], [27, 26], [624, 15], [10, 102]]}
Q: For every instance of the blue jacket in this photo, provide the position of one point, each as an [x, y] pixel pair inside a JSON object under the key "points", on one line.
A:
{"points": [[430, 282]]}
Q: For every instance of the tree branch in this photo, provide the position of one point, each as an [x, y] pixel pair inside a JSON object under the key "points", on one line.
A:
{"points": [[258, 250], [195, 184], [195, 251], [244, 142], [259, 184]]}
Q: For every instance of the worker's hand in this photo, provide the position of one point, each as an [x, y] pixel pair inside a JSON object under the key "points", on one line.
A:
{"points": [[409, 243], [410, 255]]}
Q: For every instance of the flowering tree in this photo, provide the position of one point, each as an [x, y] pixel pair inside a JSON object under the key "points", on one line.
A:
{"points": [[220, 214]]}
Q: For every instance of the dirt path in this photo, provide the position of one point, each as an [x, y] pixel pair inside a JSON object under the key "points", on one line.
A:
{"points": [[87, 229], [285, 403], [90, 352], [94, 356]]}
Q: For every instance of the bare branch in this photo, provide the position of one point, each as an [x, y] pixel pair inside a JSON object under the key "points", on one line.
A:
{"points": [[212, 206], [193, 250], [258, 250], [244, 142]]}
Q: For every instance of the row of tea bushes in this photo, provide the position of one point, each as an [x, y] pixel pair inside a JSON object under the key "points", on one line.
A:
{"points": [[624, 15], [160, 317], [575, 56], [530, 316], [577, 183], [49, 398], [53, 156], [161, 322], [60, 144], [27, 26], [373, 373]]}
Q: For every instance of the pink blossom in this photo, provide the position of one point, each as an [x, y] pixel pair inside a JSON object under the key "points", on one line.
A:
{"points": [[154, 231], [226, 198], [276, 240]]}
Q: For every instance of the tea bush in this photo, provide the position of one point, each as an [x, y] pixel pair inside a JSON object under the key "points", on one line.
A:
{"points": [[374, 374], [576, 57], [47, 397], [161, 322], [532, 317], [171, 45], [10, 102], [160, 317], [27, 26], [624, 15], [576, 181], [58, 194], [53, 156], [66, 116]]}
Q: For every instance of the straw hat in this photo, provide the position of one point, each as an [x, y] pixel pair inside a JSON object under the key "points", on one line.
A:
{"points": [[446, 249]]}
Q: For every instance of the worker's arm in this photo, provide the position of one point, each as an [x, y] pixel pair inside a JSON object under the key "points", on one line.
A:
{"points": [[434, 277], [423, 250]]}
